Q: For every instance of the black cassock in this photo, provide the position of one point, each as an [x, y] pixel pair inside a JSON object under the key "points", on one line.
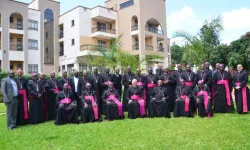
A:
{"points": [[105, 79], [170, 86], [117, 79], [87, 110], [158, 106], [221, 104], [62, 81], [51, 86], [151, 83], [134, 106], [35, 103], [22, 119], [205, 104], [241, 79], [126, 81], [179, 110], [45, 100], [96, 79], [67, 112], [205, 76], [84, 81], [111, 107], [177, 76]]}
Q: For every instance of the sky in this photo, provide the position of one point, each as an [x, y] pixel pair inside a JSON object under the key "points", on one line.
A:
{"points": [[189, 15]]}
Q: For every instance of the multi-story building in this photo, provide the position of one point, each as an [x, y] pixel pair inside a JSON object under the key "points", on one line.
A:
{"points": [[36, 38]]}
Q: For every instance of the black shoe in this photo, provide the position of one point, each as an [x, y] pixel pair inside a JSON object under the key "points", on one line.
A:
{"points": [[100, 120]]}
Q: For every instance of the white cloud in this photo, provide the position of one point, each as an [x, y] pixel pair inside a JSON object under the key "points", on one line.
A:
{"points": [[185, 19], [237, 19]]}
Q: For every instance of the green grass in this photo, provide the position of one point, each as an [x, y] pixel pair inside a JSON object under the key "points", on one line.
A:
{"points": [[224, 131]]}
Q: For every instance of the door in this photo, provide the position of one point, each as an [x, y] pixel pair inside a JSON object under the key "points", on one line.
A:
{"points": [[19, 24]]}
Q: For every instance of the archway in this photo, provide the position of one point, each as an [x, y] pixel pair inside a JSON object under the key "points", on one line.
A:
{"points": [[154, 26]]}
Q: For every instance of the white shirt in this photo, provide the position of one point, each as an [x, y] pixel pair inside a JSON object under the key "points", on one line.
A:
{"points": [[76, 83], [14, 85]]}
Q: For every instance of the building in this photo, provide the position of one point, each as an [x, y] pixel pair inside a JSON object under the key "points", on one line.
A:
{"points": [[36, 38]]}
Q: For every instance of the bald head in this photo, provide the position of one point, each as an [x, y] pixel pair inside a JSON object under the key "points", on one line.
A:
{"points": [[19, 72], [11, 74], [179, 66], [138, 71], [134, 82]]}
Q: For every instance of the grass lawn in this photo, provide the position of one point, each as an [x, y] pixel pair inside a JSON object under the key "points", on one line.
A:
{"points": [[224, 131]]}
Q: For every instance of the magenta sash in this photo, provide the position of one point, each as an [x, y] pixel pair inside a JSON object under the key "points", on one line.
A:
{"points": [[205, 96], [56, 90], [95, 108], [144, 91], [119, 104], [141, 102], [188, 84], [225, 82], [244, 97], [66, 101], [25, 103], [150, 85], [186, 99], [106, 83]]}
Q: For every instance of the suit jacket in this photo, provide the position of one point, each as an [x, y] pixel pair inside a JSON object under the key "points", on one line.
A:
{"points": [[7, 89]]}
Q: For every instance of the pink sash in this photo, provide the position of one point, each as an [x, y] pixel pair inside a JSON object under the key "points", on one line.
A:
{"points": [[186, 99], [94, 108], [205, 96], [106, 83], [25, 103], [119, 104], [151, 85], [66, 101], [225, 82], [188, 84], [244, 97], [56, 90], [144, 91], [141, 102]]}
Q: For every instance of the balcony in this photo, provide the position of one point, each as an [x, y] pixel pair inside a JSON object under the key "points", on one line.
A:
{"points": [[153, 30], [149, 47], [104, 14], [134, 28], [160, 49], [94, 47], [16, 26], [16, 47], [135, 47], [103, 32]]}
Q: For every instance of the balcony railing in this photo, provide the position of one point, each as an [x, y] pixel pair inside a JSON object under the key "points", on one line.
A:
{"points": [[93, 47], [16, 47], [134, 28], [153, 30], [60, 35], [149, 47], [135, 47], [160, 49], [16, 26], [103, 29]]}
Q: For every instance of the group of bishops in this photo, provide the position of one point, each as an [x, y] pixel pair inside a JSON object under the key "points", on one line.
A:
{"points": [[88, 96]]}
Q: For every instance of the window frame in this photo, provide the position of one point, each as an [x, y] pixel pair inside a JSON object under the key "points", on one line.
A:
{"points": [[33, 47], [34, 68], [33, 23]]}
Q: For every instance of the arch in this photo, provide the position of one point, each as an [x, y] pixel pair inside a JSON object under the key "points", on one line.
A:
{"points": [[134, 23], [160, 45], [48, 15], [16, 21], [153, 25]]}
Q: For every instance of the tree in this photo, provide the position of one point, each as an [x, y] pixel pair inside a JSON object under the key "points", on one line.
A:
{"points": [[115, 57], [219, 55], [176, 54]]}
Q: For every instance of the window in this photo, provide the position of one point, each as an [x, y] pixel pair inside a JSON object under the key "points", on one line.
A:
{"points": [[19, 23], [83, 67], [61, 53], [20, 66], [63, 67], [47, 50], [47, 35], [19, 45], [73, 42], [32, 68], [101, 43], [70, 68], [33, 44], [72, 23], [101, 27], [11, 19], [11, 40], [33, 25], [127, 4]]}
